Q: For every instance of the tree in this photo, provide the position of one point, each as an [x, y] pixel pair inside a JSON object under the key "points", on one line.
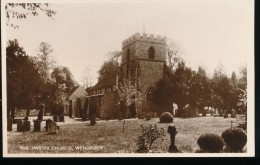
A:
{"points": [[62, 82], [23, 80], [173, 56], [45, 61], [175, 87], [24, 10], [127, 92], [181, 85], [109, 68], [242, 87], [86, 79], [199, 91]]}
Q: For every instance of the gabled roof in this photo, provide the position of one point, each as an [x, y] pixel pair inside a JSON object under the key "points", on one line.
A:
{"points": [[70, 92], [106, 82]]}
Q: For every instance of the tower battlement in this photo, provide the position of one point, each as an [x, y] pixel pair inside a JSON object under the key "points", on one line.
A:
{"points": [[145, 37]]}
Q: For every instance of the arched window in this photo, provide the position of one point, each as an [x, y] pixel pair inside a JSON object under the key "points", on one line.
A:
{"points": [[151, 52], [150, 94], [128, 55], [127, 60]]}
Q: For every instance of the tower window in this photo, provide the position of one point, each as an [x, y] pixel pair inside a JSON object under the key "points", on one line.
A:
{"points": [[151, 52], [128, 55], [150, 94]]}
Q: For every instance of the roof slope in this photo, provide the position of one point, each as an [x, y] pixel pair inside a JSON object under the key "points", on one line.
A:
{"points": [[70, 92], [106, 82]]}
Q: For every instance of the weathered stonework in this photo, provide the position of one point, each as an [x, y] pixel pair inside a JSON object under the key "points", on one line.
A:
{"points": [[109, 109], [143, 60], [142, 69]]}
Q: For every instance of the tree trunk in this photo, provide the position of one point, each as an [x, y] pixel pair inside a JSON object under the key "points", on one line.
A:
{"points": [[127, 112]]}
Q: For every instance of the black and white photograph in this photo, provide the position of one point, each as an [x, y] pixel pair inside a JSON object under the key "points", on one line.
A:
{"points": [[121, 78]]}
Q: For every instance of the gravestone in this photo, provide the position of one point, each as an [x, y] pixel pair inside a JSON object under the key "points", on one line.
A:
{"points": [[225, 114], [37, 125], [221, 112], [56, 118], [9, 124], [196, 112], [172, 131], [20, 124], [61, 118], [204, 112], [27, 126], [47, 123], [155, 114], [233, 113], [52, 127], [92, 120], [41, 112]]}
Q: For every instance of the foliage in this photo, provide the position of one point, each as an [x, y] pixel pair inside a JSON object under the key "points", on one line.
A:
{"points": [[86, 78], [199, 91], [127, 91], [211, 143], [148, 136], [45, 61], [23, 80], [62, 76], [166, 117], [24, 10], [173, 55], [235, 139], [109, 68]]}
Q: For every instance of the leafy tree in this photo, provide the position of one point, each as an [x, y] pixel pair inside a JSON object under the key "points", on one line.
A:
{"points": [[175, 87], [109, 68], [173, 56], [164, 91], [126, 92], [23, 79], [181, 85], [199, 92], [24, 10], [45, 61], [86, 79]]}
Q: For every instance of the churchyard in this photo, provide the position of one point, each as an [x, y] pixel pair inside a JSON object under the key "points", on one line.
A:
{"points": [[107, 136]]}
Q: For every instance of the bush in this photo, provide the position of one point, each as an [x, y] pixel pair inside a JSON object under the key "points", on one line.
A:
{"points": [[166, 117], [235, 139], [148, 136], [148, 116], [211, 143]]}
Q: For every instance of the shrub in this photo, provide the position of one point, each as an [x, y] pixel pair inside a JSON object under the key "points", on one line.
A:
{"points": [[148, 116], [210, 143], [166, 117], [148, 136], [235, 139]]}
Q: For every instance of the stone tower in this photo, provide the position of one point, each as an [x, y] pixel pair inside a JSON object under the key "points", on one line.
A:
{"points": [[143, 59]]}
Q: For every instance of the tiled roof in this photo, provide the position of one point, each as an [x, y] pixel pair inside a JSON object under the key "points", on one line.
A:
{"points": [[106, 82], [70, 92]]}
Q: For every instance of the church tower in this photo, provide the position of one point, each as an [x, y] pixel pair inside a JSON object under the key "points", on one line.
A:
{"points": [[143, 59]]}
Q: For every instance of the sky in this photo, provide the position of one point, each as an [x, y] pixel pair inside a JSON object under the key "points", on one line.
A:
{"points": [[210, 32]]}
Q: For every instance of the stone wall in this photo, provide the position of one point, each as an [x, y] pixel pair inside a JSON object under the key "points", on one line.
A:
{"points": [[109, 107], [139, 50]]}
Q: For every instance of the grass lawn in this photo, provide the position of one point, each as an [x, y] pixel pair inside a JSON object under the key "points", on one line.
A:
{"points": [[108, 136]]}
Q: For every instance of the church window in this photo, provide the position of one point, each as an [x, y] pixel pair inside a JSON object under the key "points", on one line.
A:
{"points": [[150, 94], [128, 55], [151, 52]]}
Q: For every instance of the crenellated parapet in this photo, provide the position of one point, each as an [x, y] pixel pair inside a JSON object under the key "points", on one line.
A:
{"points": [[146, 38]]}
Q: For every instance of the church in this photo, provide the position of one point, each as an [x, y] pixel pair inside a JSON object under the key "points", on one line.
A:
{"points": [[143, 61]]}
